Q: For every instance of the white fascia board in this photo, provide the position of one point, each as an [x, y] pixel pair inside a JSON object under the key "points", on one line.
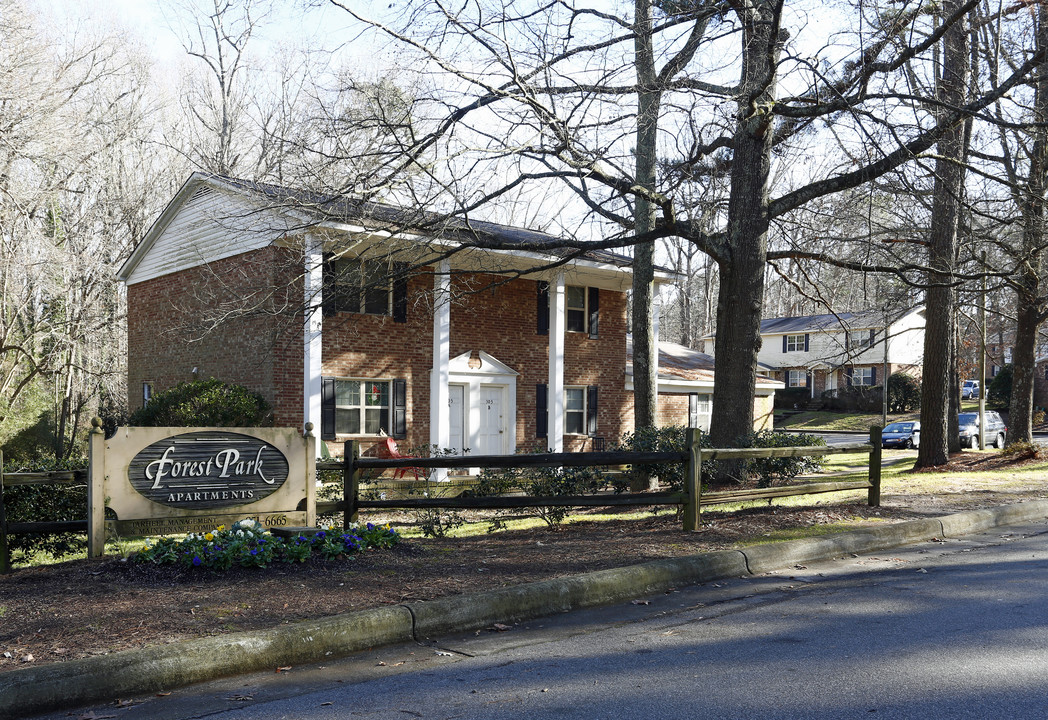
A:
{"points": [[679, 386]]}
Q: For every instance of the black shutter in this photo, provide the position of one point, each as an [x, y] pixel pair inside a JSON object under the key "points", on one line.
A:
{"points": [[400, 409], [541, 411], [543, 308], [329, 302], [594, 313], [400, 292], [591, 410], [805, 342], [784, 343], [327, 408], [873, 375], [848, 374]]}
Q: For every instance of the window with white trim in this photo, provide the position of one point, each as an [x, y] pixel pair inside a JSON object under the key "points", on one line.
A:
{"points": [[361, 286], [362, 407], [795, 343], [860, 339], [862, 376], [577, 311], [147, 393], [797, 378], [575, 411]]}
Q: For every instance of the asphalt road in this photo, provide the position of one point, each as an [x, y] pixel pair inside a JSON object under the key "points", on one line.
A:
{"points": [[955, 629]]}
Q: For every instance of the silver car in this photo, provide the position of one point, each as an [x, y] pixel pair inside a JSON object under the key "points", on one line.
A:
{"points": [[994, 433]]}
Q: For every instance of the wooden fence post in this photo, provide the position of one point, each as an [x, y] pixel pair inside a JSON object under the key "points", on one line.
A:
{"points": [[350, 482], [693, 481], [96, 496], [5, 552], [875, 466]]}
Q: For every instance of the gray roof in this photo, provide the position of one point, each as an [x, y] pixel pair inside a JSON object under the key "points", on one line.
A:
{"points": [[861, 320], [478, 233]]}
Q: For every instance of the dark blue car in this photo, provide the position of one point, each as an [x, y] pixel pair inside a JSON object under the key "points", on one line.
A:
{"points": [[901, 435]]}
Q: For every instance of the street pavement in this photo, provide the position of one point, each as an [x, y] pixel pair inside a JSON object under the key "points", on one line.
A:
{"points": [[954, 628]]}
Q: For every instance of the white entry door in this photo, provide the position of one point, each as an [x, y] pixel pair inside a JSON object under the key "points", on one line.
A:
{"points": [[456, 415], [492, 427]]}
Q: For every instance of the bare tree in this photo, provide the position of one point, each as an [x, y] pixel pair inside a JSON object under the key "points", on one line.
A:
{"points": [[548, 88]]}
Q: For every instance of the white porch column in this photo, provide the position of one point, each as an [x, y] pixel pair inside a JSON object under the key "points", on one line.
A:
{"points": [[439, 397], [313, 331], [656, 312], [555, 388]]}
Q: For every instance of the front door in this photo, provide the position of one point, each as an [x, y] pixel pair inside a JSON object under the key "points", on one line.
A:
{"points": [[456, 414], [492, 429]]}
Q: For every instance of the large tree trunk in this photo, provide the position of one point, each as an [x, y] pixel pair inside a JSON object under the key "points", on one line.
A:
{"points": [[1029, 300], [645, 351], [936, 425], [741, 294]]}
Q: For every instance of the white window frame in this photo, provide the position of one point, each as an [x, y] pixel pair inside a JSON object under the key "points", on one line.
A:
{"points": [[569, 308], [569, 411], [343, 269], [791, 378], [795, 343], [862, 377], [362, 408], [860, 340]]}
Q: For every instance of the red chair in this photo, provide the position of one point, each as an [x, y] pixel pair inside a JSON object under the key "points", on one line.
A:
{"points": [[395, 454]]}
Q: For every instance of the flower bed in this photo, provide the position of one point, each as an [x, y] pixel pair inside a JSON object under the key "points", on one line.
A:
{"points": [[247, 544]]}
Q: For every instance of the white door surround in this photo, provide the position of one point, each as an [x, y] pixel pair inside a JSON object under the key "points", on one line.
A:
{"points": [[489, 402]]}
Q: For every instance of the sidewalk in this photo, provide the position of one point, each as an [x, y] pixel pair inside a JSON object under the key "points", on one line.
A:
{"points": [[36, 690]]}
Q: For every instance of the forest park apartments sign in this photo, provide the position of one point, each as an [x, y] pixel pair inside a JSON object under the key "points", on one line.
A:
{"points": [[160, 481]]}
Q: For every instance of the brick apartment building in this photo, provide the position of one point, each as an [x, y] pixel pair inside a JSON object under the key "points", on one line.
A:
{"points": [[367, 320]]}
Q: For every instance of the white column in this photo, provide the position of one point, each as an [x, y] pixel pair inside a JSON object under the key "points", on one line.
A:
{"points": [[314, 331], [555, 388], [439, 396], [656, 312]]}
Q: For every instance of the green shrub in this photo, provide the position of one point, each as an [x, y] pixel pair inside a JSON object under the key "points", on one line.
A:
{"points": [[904, 393], [1000, 393], [768, 471], [671, 438], [45, 503], [204, 403], [540, 482], [790, 398]]}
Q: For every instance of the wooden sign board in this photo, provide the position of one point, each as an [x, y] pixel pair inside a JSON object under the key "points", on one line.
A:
{"points": [[162, 481]]}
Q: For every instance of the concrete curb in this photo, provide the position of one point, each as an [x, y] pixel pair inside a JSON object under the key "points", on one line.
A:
{"points": [[80, 682]]}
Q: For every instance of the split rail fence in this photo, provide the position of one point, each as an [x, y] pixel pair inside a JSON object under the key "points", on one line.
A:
{"points": [[355, 467]]}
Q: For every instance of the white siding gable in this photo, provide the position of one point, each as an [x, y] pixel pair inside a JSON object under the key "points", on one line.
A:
{"points": [[212, 224]]}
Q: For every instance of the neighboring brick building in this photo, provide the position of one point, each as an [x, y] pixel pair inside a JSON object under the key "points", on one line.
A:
{"points": [[685, 388], [359, 319]]}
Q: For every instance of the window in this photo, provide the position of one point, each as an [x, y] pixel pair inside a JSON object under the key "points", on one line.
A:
{"points": [[362, 407], [582, 309], [575, 297], [862, 376], [147, 393], [797, 378], [795, 343], [359, 286], [575, 411], [860, 340]]}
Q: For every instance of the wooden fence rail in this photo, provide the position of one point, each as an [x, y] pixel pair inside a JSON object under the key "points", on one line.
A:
{"points": [[354, 466]]}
